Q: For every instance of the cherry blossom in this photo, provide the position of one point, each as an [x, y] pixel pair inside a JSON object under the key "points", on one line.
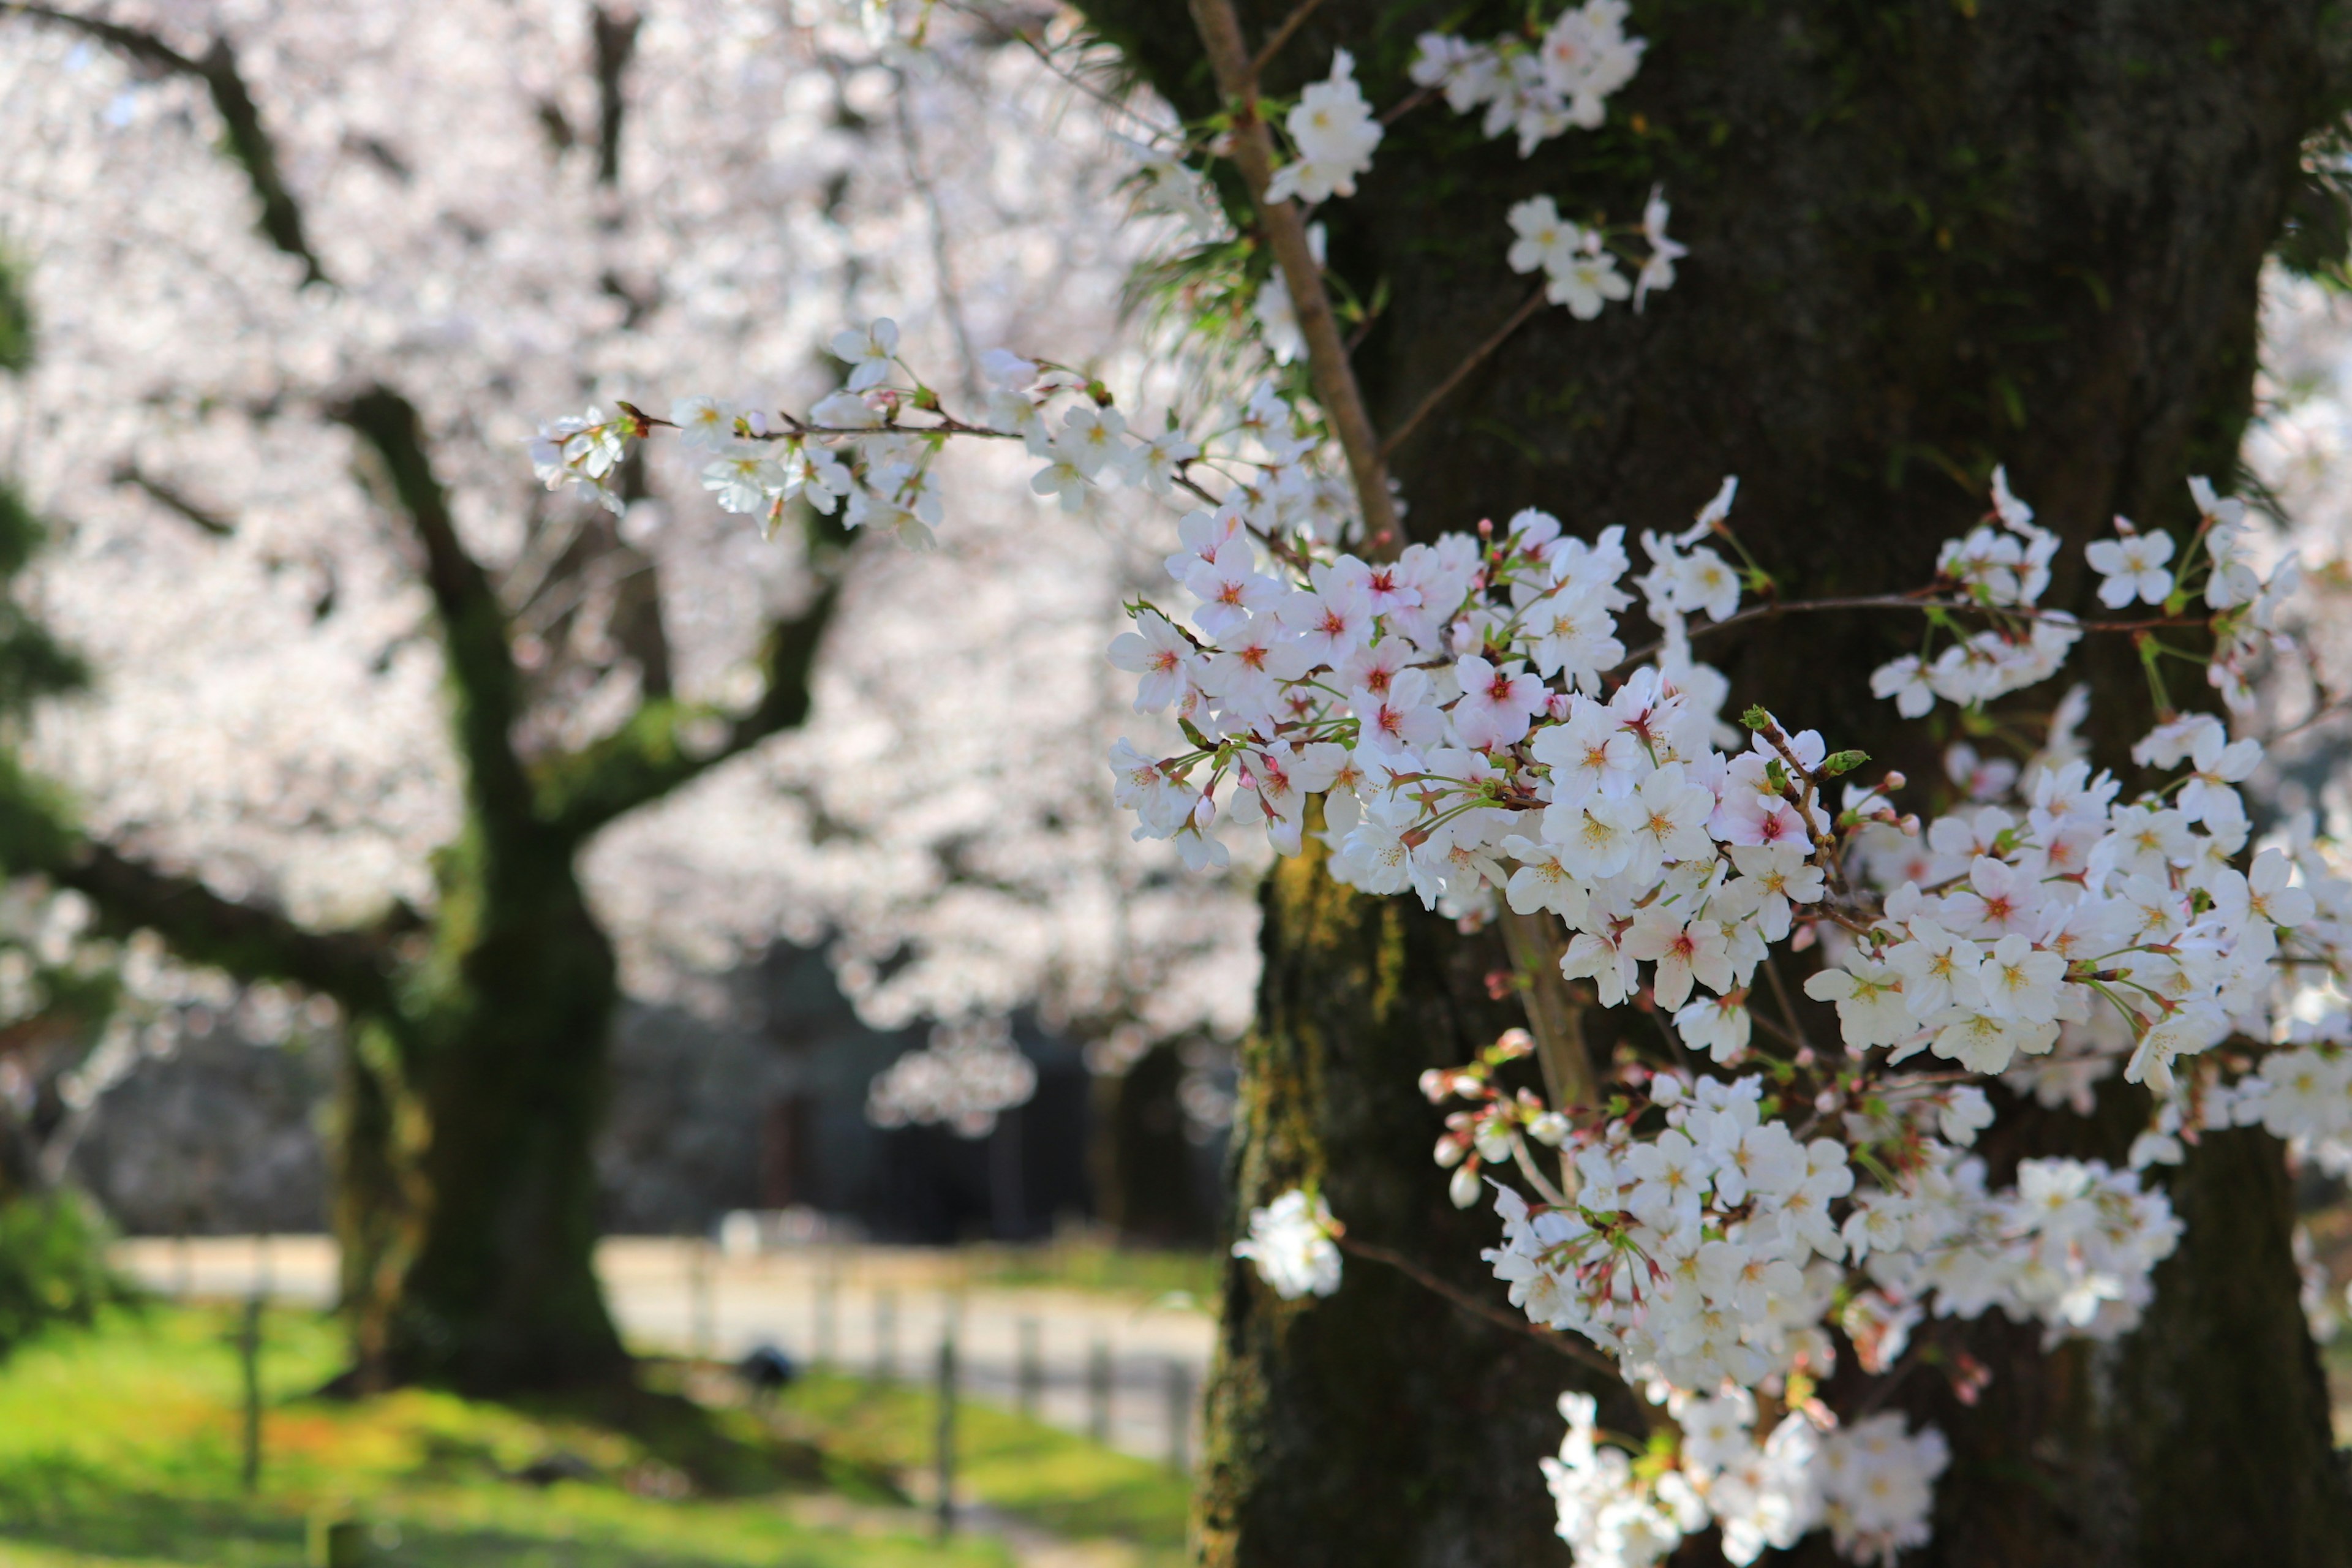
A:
{"points": [[1334, 132]]}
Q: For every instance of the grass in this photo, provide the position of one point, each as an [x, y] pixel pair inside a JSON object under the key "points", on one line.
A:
{"points": [[119, 1448], [1025, 1468]]}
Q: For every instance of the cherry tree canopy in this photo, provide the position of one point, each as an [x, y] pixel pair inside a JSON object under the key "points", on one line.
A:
{"points": [[514, 213]]}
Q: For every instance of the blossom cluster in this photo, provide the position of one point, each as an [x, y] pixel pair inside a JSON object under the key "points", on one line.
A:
{"points": [[1579, 269], [1870, 1483], [1291, 1243], [2003, 565], [2071, 1246], [1475, 731], [1536, 88], [2000, 926], [1453, 709], [1703, 1255], [852, 455], [1334, 131], [964, 1079]]}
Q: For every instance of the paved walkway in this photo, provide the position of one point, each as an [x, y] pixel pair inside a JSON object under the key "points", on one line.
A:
{"points": [[1126, 1370]]}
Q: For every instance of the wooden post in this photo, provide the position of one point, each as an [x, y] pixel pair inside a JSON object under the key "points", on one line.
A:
{"points": [[1098, 1394], [337, 1539], [1180, 1416], [248, 1355], [886, 1335], [1029, 1370], [945, 1449], [821, 1338], [701, 1294]]}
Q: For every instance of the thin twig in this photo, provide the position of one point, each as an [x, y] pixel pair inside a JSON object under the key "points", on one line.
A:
{"points": [[1272, 45], [1787, 1008], [942, 266], [1527, 1165], [1888, 1382], [1406, 105], [1921, 600], [1478, 356], [1069, 77], [1575, 1350]]}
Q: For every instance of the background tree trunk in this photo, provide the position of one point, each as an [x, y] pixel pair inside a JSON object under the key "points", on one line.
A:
{"points": [[1141, 1157], [1926, 238], [492, 1286]]}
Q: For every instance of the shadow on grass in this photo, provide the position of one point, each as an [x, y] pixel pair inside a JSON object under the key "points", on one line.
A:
{"points": [[69, 1505], [63, 1505], [724, 1452], [1021, 1467]]}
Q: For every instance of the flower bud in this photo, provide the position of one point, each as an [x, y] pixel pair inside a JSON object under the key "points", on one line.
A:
{"points": [[1464, 1188], [1449, 1152]]}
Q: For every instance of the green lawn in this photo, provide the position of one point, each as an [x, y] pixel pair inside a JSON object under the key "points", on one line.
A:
{"points": [[120, 1446], [1036, 1472]]}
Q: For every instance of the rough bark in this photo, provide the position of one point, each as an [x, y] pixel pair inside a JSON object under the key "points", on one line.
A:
{"points": [[1926, 239], [1384, 1424]]}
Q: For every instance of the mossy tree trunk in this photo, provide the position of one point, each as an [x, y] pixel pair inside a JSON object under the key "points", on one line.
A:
{"points": [[1926, 238]]}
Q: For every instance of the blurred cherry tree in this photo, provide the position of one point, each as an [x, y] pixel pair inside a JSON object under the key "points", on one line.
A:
{"points": [[373, 716]]}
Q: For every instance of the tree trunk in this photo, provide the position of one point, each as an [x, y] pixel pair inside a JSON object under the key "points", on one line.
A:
{"points": [[1142, 1161], [1926, 239], [492, 1286], [1383, 1424]]}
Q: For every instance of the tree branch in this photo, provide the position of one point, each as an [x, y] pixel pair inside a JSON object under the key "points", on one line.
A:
{"points": [[249, 139], [172, 499], [654, 753], [1286, 229], [1501, 1317], [1554, 1020], [1475, 358], [482, 677], [1281, 36], [617, 42], [251, 941]]}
